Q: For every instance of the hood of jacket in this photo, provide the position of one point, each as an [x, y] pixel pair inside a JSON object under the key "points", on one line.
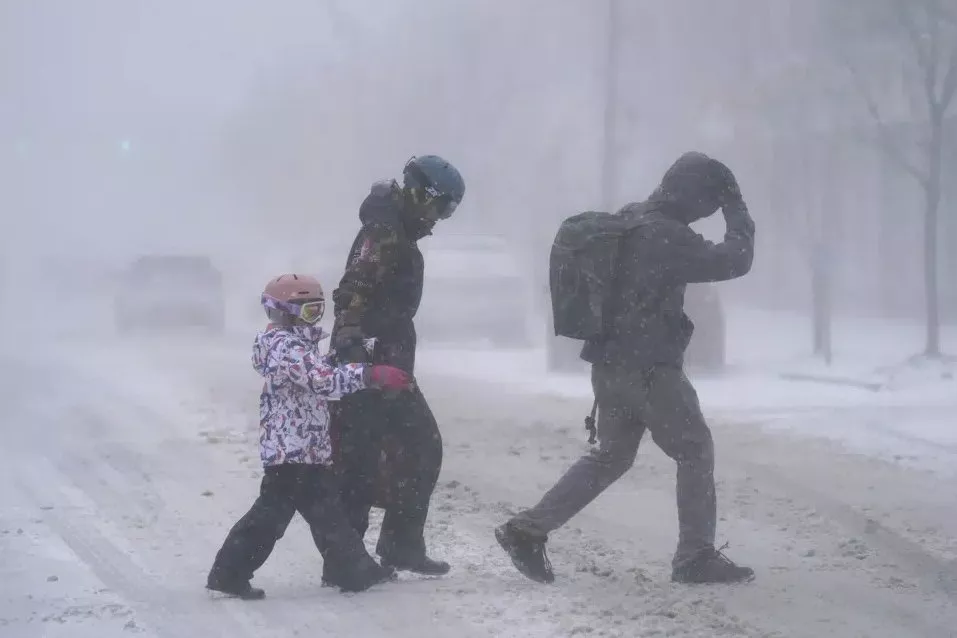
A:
{"points": [[692, 188], [384, 205]]}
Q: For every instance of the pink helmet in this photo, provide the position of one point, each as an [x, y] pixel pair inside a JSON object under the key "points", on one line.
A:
{"points": [[294, 297]]}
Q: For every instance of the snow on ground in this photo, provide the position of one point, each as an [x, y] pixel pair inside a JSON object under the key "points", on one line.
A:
{"points": [[133, 457]]}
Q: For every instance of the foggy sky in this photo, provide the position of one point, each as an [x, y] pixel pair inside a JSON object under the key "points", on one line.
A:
{"points": [[207, 126]]}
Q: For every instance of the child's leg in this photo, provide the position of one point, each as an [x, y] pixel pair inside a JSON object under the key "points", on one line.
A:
{"points": [[251, 540], [343, 553]]}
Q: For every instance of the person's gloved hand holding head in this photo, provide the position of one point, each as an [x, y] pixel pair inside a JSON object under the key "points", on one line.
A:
{"points": [[696, 186]]}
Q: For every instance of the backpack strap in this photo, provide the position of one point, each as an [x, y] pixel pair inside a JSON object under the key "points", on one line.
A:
{"points": [[590, 426], [640, 211]]}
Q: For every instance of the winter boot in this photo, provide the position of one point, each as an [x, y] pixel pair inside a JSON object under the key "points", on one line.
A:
{"points": [[329, 576], [527, 552], [422, 565], [357, 579], [238, 588], [711, 566]]}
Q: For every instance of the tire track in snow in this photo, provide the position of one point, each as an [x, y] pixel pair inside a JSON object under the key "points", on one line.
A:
{"points": [[606, 552], [112, 477], [162, 611], [862, 602], [930, 569], [367, 619], [502, 435], [97, 496]]}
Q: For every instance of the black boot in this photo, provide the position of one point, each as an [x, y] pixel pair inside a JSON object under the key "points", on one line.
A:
{"points": [[361, 579], [420, 565], [352, 579], [328, 575], [238, 588], [527, 553], [711, 566]]}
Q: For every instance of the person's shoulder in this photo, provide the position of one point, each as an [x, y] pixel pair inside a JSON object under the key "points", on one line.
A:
{"points": [[271, 345], [664, 228], [383, 188], [651, 224], [380, 208]]}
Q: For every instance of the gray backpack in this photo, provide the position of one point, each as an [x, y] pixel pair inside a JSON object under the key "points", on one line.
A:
{"points": [[583, 269], [583, 273]]}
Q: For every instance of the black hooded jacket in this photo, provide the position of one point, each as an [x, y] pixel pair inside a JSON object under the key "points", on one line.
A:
{"points": [[382, 286], [663, 255]]}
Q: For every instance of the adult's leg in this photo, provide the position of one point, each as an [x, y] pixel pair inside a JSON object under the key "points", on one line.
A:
{"points": [[620, 397], [678, 427], [417, 462], [359, 426]]}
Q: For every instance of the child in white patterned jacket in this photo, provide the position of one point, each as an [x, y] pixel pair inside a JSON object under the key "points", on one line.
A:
{"points": [[295, 445]]}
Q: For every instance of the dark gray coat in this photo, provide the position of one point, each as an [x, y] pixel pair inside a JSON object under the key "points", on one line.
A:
{"points": [[664, 254]]}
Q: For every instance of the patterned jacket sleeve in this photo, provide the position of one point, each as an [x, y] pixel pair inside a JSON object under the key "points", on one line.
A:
{"points": [[305, 367], [366, 273]]}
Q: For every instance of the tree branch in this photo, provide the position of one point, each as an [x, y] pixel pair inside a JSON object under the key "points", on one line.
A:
{"points": [[949, 85], [905, 15], [940, 12], [887, 141]]}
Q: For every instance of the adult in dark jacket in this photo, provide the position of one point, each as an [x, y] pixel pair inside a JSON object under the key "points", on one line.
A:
{"points": [[637, 372], [378, 297]]}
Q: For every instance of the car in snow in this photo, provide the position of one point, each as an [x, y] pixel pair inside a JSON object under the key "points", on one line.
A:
{"points": [[706, 352], [474, 292], [170, 291]]}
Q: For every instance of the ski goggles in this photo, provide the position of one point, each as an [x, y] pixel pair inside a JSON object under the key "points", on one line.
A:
{"points": [[441, 204], [310, 312]]}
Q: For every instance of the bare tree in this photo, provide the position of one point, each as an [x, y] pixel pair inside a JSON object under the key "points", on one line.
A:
{"points": [[795, 109], [901, 58]]}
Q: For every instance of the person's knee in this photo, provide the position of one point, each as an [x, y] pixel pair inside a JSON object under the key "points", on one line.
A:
{"points": [[277, 520], [694, 448], [279, 529], [614, 462], [267, 524]]}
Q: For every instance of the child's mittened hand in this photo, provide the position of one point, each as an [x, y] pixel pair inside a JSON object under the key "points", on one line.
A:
{"points": [[390, 378]]}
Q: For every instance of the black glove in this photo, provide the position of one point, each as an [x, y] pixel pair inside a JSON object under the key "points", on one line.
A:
{"points": [[729, 193], [737, 218], [347, 343]]}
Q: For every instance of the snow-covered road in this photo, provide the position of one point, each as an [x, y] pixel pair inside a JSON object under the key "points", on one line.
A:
{"points": [[126, 465]]}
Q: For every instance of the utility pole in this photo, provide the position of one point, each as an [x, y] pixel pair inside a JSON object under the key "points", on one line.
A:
{"points": [[609, 161]]}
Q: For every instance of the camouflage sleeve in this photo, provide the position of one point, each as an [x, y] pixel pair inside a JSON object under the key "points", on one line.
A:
{"points": [[366, 273], [305, 367]]}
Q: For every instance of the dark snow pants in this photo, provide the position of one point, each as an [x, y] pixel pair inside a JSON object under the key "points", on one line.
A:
{"points": [[312, 490], [389, 455], [662, 401]]}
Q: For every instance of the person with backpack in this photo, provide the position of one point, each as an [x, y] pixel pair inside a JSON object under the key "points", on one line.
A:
{"points": [[618, 283], [295, 445], [378, 297]]}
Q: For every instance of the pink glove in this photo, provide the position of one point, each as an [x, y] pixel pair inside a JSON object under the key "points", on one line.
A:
{"points": [[389, 378]]}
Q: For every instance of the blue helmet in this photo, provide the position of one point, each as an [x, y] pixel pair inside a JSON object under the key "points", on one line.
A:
{"points": [[437, 177]]}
